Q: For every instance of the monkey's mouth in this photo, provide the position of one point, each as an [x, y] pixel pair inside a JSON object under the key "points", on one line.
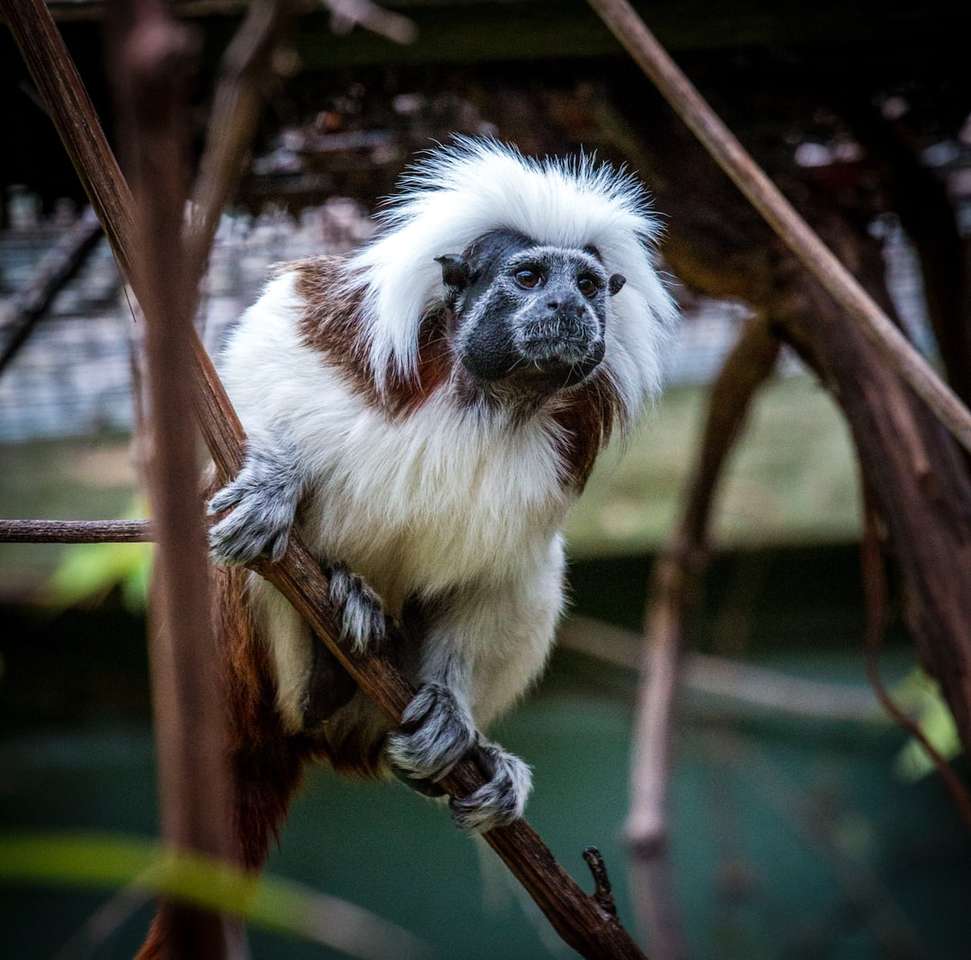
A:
{"points": [[550, 365]]}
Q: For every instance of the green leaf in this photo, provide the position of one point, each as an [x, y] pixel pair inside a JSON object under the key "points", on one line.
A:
{"points": [[90, 571], [919, 695]]}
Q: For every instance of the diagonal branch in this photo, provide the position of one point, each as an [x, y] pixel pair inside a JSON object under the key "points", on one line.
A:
{"points": [[579, 918], [782, 217], [54, 271]]}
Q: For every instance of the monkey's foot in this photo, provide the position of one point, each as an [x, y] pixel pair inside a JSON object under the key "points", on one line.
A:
{"points": [[435, 733], [500, 801], [263, 498], [359, 609]]}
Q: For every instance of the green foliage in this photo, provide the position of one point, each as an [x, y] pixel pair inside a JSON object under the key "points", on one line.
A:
{"points": [[919, 695], [110, 861], [87, 572]]}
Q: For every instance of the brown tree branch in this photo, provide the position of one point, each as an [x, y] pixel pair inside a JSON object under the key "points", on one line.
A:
{"points": [[54, 271], [75, 531], [578, 917], [151, 57], [793, 230], [671, 596]]}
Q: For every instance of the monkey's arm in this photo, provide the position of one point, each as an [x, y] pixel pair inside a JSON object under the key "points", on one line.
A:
{"points": [[477, 657], [263, 498]]}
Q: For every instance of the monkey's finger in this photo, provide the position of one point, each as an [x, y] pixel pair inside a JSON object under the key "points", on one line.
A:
{"points": [[226, 499]]}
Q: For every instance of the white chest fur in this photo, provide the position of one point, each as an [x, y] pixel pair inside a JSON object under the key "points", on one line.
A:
{"points": [[427, 502]]}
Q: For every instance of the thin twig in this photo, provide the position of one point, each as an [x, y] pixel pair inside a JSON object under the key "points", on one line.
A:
{"points": [[54, 271], [576, 916], [782, 217], [603, 891]]}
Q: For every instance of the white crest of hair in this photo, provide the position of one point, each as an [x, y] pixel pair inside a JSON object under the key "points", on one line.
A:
{"points": [[461, 191]]}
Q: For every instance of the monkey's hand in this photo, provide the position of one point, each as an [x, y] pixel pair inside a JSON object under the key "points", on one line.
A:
{"points": [[499, 801], [263, 499], [435, 733]]}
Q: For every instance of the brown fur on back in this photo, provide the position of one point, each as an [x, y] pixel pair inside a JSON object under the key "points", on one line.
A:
{"points": [[331, 324]]}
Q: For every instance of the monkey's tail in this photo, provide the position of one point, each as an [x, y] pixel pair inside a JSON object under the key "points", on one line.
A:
{"points": [[266, 762]]}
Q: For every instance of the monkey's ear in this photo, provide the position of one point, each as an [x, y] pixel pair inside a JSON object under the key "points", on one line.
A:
{"points": [[616, 283], [455, 271]]}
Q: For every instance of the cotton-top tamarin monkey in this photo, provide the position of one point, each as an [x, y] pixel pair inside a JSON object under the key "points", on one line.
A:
{"points": [[424, 412]]}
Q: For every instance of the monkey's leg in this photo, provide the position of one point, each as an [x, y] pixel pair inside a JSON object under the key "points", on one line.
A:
{"points": [[480, 651], [263, 498]]}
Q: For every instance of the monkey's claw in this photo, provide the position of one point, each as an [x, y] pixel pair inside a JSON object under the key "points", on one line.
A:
{"points": [[498, 802], [435, 733]]}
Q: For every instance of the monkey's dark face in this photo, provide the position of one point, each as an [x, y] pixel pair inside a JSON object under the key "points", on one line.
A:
{"points": [[527, 313]]}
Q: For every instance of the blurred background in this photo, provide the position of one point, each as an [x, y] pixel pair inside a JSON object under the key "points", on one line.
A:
{"points": [[804, 823]]}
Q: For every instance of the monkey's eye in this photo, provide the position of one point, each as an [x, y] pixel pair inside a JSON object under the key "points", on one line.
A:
{"points": [[588, 286], [528, 278]]}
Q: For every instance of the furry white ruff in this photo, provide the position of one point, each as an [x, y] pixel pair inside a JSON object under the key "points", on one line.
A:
{"points": [[462, 191]]}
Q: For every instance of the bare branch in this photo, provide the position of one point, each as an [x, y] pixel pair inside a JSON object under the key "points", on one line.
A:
{"points": [[746, 684], [75, 531], [579, 918], [792, 229], [54, 271], [875, 601], [603, 891]]}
